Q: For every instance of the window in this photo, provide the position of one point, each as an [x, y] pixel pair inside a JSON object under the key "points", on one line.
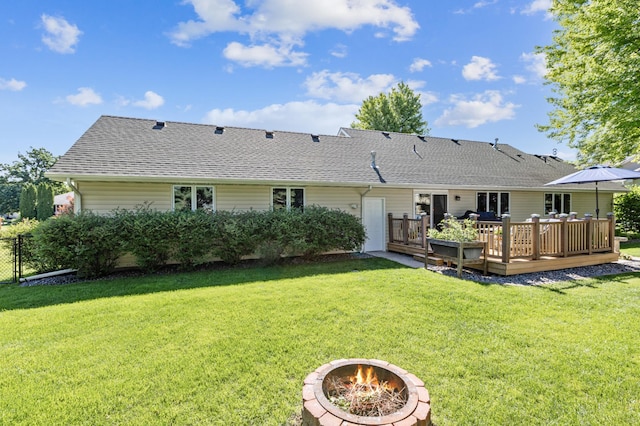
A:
{"points": [[560, 203], [287, 198], [497, 202], [422, 203], [190, 197]]}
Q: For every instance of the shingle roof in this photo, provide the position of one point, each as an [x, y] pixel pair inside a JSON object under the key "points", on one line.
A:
{"points": [[132, 149]]}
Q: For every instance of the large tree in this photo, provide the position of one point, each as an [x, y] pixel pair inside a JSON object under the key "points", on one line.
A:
{"points": [[30, 168], [397, 111], [593, 66]]}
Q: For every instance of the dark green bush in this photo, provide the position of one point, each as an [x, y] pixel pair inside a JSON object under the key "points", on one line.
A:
{"points": [[92, 244], [149, 235], [87, 242], [627, 210], [193, 237]]}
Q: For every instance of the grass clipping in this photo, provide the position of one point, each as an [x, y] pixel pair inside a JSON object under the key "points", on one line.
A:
{"points": [[365, 399]]}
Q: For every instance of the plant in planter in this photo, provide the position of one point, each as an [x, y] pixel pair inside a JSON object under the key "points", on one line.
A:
{"points": [[457, 240]]}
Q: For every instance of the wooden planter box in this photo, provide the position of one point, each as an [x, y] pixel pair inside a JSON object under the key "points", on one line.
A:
{"points": [[462, 253]]}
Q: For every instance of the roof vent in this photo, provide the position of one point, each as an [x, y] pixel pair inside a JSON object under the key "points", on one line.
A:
{"points": [[315, 138], [386, 135], [159, 125], [495, 144], [268, 134], [456, 141], [423, 138], [219, 130], [373, 160], [415, 151]]}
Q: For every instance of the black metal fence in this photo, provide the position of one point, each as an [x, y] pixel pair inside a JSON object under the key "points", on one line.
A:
{"points": [[11, 259]]}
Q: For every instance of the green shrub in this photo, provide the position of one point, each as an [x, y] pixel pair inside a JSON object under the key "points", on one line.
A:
{"points": [[233, 235], [627, 210], [193, 237], [87, 242], [149, 235], [455, 230], [25, 227]]}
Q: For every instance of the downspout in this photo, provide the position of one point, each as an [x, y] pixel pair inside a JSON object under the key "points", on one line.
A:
{"points": [[77, 199]]}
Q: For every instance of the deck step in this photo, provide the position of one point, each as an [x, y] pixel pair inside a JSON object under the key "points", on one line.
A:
{"points": [[432, 260]]}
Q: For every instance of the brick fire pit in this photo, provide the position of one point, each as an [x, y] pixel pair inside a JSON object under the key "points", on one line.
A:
{"points": [[319, 411]]}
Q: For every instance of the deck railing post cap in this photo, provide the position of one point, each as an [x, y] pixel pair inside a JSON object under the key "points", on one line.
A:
{"points": [[573, 213], [589, 215], [506, 215], [563, 215], [610, 214], [535, 215]]}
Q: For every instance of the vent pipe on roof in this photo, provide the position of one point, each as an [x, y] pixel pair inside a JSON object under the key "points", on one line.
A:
{"points": [[315, 138], [269, 134], [219, 130], [373, 160], [159, 125], [415, 151], [495, 144], [385, 134]]}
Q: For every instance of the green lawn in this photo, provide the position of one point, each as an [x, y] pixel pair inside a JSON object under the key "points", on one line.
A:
{"points": [[232, 347], [631, 248]]}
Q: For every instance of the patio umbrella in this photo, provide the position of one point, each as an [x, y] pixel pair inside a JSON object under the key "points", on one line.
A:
{"points": [[595, 174]]}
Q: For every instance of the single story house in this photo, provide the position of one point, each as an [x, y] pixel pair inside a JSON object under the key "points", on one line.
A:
{"points": [[124, 162]]}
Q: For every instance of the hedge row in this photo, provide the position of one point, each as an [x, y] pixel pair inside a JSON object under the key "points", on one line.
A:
{"points": [[92, 244]]}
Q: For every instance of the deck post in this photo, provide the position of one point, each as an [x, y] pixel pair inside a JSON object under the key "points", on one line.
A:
{"points": [[506, 238], [535, 236], [405, 228], [589, 231], [423, 226], [391, 239], [612, 230], [564, 236]]}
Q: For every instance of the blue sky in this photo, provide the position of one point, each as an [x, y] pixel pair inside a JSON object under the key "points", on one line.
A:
{"points": [[271, 64]]}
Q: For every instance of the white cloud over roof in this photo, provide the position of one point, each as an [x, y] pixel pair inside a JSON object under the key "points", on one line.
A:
{"points": [[151, 100], [347, 87], [482, 108], [85, 97], [537, 6], [419, 64], [60, 36], [276, 26], [307, 116]]}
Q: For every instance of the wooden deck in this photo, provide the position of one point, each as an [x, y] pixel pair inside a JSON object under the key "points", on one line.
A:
{"points": [[518, 266], [522, 247]]}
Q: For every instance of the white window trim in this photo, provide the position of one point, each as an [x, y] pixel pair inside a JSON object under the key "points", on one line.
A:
{"points": [[194, 197], [289, 189]]}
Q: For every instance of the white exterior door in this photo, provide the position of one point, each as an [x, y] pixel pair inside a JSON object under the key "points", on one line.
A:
{"points": [[374, 222]]}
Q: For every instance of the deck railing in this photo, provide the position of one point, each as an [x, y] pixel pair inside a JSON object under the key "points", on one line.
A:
{"points": [[408, 231], [565, 236]]}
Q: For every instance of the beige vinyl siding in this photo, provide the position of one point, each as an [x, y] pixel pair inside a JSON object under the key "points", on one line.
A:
{"points": [[468, 199], [397, 201], [335, 198], [104, 197]]}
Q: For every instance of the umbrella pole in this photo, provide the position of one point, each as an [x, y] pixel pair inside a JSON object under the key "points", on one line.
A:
{"points": [[597, 207]]}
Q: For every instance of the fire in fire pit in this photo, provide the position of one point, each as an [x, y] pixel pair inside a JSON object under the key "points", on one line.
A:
{"points": [[364, 392]]}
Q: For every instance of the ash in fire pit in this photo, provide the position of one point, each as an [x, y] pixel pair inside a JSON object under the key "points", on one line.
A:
{"points": [[364, 392]]}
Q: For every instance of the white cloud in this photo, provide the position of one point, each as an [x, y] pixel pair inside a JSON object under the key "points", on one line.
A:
{"points": [[280, 24], [307, 117], [419, 64], [61, 36], [536, 63], [482, 108], [13, 85], [339, 51], [480, 68], [86, 96], [349, 87], [537, 6], [518, 79], [265, 55], [151, 100]]}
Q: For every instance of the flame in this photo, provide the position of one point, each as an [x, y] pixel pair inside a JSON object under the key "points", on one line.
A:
{"points": [[365, 376]]}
